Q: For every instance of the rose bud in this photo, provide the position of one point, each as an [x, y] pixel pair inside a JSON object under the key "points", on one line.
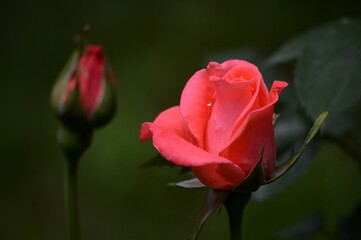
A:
{"points": [[223, 126], [84, 95]]}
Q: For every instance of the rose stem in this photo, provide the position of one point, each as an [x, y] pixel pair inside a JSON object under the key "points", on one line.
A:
{"points": [[71, 165], [235, 205]]}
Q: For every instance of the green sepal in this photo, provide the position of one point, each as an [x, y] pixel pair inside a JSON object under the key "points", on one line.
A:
{"points": [[284, 167], [215, 199], [191, 183], [254, 179], [62, 81], [74, 143], [69, 110], [72, 113]]}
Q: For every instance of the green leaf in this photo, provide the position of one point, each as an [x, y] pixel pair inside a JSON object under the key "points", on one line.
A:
{"points": [[283, 168], [322, 38], [290, 51], [328, 73], [329, 80], [215, 199], [191, 183]]}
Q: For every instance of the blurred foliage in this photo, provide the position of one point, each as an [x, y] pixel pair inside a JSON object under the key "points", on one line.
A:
{"points": [[330, 54], [154, 47]]}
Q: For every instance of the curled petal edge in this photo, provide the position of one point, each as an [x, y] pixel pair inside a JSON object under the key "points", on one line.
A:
{"points": [[176, 149]]}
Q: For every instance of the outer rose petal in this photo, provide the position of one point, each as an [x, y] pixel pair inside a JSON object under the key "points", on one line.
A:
{"points": [[257, 133], [196, 96], [246, 150], [220, 176], [276, 90], [171, 139]]}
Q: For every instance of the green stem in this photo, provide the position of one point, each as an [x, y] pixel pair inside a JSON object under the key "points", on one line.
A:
{"points": [[71, 165], [235, 205]]}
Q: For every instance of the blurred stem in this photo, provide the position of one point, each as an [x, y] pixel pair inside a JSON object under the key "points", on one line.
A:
{"points": [[73, 145], [235, 205], [71, 165]]}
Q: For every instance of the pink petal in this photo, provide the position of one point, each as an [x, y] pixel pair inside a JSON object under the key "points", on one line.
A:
{"points": [[219, 70], [257, 132], [220, 176], [246, 150], [195, 102], [174, 141], [276, 89], [91, 77], [235, 96]]}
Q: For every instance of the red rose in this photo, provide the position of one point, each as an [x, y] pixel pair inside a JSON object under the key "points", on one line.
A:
{"points": [[221, 126], [84, 94]]}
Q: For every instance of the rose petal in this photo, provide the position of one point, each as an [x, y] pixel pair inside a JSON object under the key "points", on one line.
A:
{"points": [[196, 99], [174, 141], [220, 176], [219, 70], [257, 132], [232, 99], [262, 99], [91, 79], [276, 89], [235, 96], [246, 150]]}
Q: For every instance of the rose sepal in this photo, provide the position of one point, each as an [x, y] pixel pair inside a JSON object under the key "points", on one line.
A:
{"points": [[215, 199], [62, 81], [74, 143], [254, 179], [191, 183], [68, 108], [284, 167]]}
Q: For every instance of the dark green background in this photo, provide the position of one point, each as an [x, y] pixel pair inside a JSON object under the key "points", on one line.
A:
{"points": [[154, 47]]}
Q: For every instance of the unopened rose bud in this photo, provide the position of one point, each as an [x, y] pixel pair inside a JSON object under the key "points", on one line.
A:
{"points": [[84, 95]]}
